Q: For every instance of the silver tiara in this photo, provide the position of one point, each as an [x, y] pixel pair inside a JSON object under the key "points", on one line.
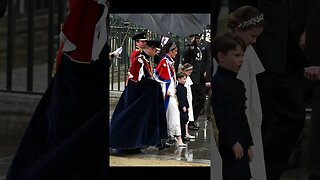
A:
{"points": [[252, 21]]}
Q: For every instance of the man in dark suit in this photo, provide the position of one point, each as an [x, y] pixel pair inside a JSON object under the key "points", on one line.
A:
{"points": [[280, 84], [309, 29]]}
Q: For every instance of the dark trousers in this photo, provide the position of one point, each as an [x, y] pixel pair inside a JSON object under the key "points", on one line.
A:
{"points": [[283, 117], [198, 99], [183, 122]]}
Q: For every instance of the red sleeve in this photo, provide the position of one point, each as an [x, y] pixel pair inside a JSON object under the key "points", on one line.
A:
{"points": [[134, 54]]}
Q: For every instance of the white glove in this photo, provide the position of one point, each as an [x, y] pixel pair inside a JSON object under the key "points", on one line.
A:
{"points": [[117, 52]]}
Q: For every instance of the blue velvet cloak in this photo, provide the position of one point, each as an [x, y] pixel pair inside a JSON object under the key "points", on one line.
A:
{"points": [[139, 119], [66, 138]]}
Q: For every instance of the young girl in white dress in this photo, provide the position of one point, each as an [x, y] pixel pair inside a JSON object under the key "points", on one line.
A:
{"points": [[187, 69]]}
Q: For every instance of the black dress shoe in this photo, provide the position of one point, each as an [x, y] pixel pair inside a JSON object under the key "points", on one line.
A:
{"points": [[192, 126], [171, 142], [165, 145], [186, 139]]}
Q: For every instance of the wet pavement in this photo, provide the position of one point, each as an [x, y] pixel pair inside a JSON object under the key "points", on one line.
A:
{"points": [[197, 150]]}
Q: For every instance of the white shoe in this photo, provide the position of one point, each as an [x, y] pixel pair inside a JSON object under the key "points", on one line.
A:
{"points": [[191, 137], [182, 145]]}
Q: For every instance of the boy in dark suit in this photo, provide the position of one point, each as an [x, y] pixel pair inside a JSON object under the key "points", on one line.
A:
{"points": [[228, 103], [183, 103]]}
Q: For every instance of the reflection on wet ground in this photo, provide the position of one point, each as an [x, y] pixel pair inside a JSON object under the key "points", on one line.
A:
{"points": [[197, 150]]}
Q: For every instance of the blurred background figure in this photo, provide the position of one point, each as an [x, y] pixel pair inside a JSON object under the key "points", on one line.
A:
{"points": [[3, 7], [308, 30]]}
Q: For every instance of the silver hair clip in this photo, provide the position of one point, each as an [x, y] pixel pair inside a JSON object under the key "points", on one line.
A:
{"points": [[252, 21]]}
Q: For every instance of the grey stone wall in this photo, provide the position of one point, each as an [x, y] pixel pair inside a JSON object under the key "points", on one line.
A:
{"points": [[16, 110]]}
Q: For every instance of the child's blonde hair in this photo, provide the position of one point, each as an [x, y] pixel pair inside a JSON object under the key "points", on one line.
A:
{"points": [[186, 67]]}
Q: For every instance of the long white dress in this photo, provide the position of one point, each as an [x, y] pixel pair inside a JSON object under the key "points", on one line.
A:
{"points": [[189, 96], [166, 76], [173, 113], [249, 69]]}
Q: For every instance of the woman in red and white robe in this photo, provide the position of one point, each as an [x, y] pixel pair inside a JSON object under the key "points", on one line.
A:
{"points": [[165, 74]]}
